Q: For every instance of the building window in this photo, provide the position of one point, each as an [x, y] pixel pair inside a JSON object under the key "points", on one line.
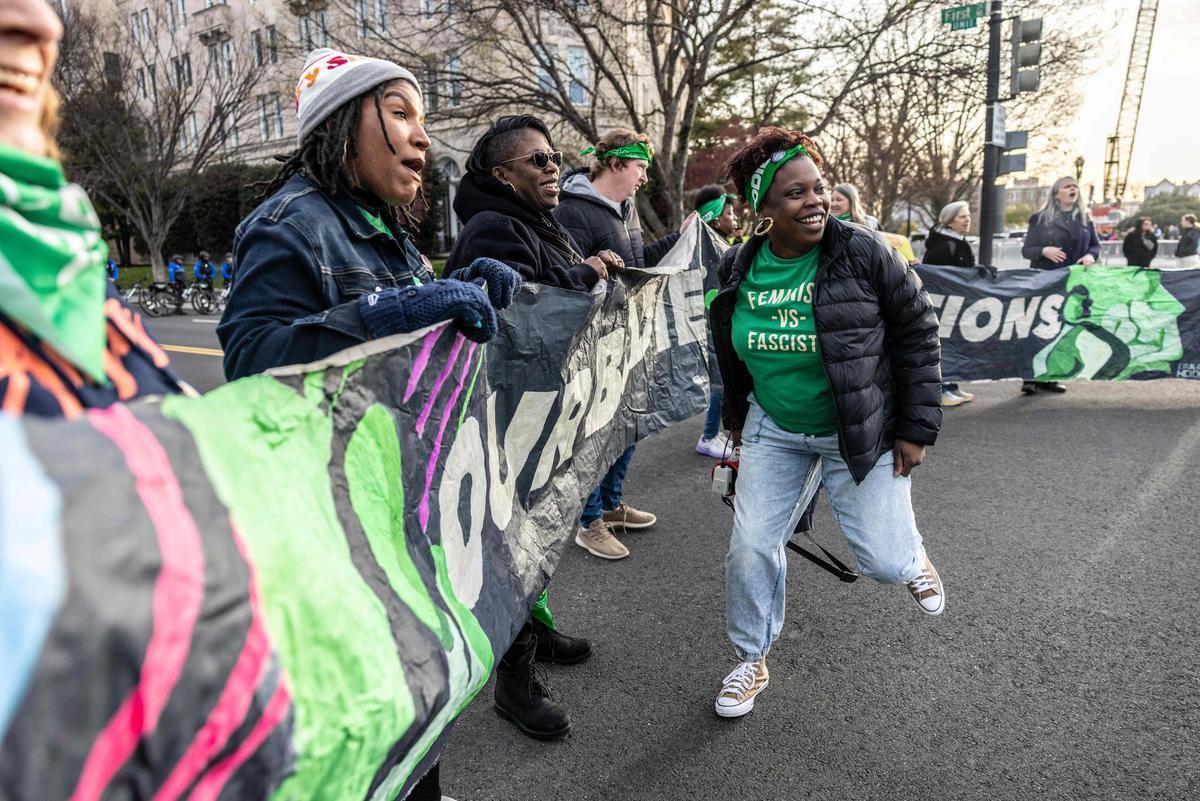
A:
{"points": [[227, 130], [260, 55], [545, 79], [381, 16], [314, 30], [211, 3], [139, 25], [362, 21], [272, 52], [430, 90], [183, 70], [176, 14], [428, 7], [141, 82], [113, 74], [189, 134], [579, 67], [450, 225], [453, 79], [270, 117]]}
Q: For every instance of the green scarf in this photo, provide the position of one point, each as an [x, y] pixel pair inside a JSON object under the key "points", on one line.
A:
{"points": [[713, 208], [637, 150], [845, 216], [52, 259], [760, 181]]}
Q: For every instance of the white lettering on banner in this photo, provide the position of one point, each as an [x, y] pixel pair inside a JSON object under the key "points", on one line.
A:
{"points": [[1019, 319], [561, 444], [970, 326], [1051, 318], [1187, 370], [615, 362], [523, 431], [988, 317], [464, 555]]}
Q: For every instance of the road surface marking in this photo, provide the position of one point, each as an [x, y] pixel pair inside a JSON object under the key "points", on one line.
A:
{"points": [[195, 351], [205, 320]]}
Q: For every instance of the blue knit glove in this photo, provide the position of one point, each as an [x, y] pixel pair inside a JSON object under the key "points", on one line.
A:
{"points": [[399, 311], [501, 281]]}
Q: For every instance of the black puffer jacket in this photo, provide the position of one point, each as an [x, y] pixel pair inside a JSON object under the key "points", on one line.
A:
{"points": [[949, 249], [499, 225], [595, 225], [879, 342]]}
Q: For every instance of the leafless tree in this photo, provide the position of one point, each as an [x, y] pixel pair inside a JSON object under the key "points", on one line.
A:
{"points": [[144, 115]]}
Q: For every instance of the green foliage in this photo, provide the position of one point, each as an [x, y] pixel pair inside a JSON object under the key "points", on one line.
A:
{"points": [[1164, 209], [430, 211], [1018, 215], [217, 201]]}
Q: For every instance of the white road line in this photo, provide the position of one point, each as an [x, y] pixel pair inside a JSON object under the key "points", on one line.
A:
{"points": [[206, 320]]}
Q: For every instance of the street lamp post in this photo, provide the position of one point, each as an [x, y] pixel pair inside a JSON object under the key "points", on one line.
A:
{"points": [[1078, 167]]}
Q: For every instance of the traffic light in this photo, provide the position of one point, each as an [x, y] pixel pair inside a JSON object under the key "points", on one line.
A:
{"points": [[1026, 53]]}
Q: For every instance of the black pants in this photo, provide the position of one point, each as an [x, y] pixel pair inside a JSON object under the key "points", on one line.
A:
{"points": [[430, 787]]}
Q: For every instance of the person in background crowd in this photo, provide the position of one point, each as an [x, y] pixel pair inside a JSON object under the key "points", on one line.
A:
{"points": [[1141, 243], [203, 270], [1189, 242], [67, 342], [845, 204], [176, 274], [504, 203], [1172, 231], [598, 209], [851, 390], [340, 199], [716, 208], [227, 269], [947, 244], [1060, 234], [113, 269]]}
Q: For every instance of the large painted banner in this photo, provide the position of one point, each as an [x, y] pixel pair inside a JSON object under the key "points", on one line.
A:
{"points": [[290, 587], [1101, 323]]}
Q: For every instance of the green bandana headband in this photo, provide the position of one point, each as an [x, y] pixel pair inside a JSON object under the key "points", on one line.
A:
{"points": [[638, 150], [760, 181], [52, 259], [713, 208]]}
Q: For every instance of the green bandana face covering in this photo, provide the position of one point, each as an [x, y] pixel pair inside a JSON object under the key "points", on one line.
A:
{"points": [[760, 181], [638, 150], [714, 208], [52, 259]]}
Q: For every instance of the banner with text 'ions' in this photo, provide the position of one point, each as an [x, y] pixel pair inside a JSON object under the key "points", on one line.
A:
{"points": [[291, 586], [1099, 323]]}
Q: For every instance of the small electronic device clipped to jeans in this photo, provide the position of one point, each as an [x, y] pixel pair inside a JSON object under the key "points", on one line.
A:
{"points": [[724, 477]]}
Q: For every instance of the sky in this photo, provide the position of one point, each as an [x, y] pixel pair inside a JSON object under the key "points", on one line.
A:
{"points": [[1167, 144]]}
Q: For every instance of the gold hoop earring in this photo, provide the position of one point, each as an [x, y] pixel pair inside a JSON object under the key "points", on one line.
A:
{"points": [[759, 230]]}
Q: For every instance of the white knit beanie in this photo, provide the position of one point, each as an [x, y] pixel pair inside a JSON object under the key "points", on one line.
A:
{"points": [[331, 78]]}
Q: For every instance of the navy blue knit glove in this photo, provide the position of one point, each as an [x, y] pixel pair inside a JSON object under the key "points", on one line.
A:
{"points": [[501, 281], [399, 311]]}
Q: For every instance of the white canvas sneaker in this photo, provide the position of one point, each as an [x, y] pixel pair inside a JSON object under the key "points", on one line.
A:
{"points": [[741, 687]]}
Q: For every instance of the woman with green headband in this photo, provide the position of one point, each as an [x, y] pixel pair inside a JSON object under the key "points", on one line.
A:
{"points": [[717, 210], [67, 343], [828, 348]]}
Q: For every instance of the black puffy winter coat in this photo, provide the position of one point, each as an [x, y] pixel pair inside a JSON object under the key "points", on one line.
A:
{"points": [[879, 343], [595, 225], [943, 248]]}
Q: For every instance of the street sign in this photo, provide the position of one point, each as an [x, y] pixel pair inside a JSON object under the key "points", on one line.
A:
{"points": [[1011, 162], [962, 17], [1017, 140], [999, 121]]}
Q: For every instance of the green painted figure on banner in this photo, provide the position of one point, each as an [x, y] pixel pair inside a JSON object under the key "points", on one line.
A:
{"points": [[1117, 323]]}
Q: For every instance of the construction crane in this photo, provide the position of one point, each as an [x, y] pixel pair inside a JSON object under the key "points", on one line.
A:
{"points": [[1120, 144]]}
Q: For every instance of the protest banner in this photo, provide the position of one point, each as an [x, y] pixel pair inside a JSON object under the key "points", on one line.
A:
{"points": [[1099, 323], [291, 586]]}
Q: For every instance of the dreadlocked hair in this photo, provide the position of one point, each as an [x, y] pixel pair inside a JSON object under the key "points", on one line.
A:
{"points": [[327, 154], [766, 143]]}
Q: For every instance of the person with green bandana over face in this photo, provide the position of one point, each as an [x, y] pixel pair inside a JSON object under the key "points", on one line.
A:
{"points": [[598, 209], [67, 342], [829, 354]]}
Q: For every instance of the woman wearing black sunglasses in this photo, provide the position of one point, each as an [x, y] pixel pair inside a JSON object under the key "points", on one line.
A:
{"points": [[504, 203]]}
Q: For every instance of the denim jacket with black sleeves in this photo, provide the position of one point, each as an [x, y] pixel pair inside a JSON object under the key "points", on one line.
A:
{"points": [[304, 257]]}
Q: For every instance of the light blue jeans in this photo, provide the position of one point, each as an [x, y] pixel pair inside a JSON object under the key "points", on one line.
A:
{"points": [[777, 477]]}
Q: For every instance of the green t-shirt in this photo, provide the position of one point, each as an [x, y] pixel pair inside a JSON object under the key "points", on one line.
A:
{"points": [[775, 335]]}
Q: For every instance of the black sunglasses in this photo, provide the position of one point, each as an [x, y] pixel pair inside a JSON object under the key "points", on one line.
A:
{"points": [[539, 159]]}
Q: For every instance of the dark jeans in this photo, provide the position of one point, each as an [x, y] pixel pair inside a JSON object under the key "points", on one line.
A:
{"points": [[607, 496], [712, 422], [430, 787]]}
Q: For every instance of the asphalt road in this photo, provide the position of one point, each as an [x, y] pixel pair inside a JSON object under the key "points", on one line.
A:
{"points": [[1066, 665], [191, 342]]}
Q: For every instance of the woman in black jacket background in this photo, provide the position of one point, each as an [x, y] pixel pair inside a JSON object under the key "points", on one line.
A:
{"points": [[1059, 235], [1140, 245], [947, 245]]}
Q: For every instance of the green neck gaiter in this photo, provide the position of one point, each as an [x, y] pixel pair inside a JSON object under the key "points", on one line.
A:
{"points": [[845, 216], [52, 259]]}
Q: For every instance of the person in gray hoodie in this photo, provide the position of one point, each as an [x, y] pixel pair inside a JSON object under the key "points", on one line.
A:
{"points": [[598, 210]]}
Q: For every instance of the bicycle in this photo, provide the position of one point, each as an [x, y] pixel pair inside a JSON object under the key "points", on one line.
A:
{"points": [[133, 295], [204, 299]]}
